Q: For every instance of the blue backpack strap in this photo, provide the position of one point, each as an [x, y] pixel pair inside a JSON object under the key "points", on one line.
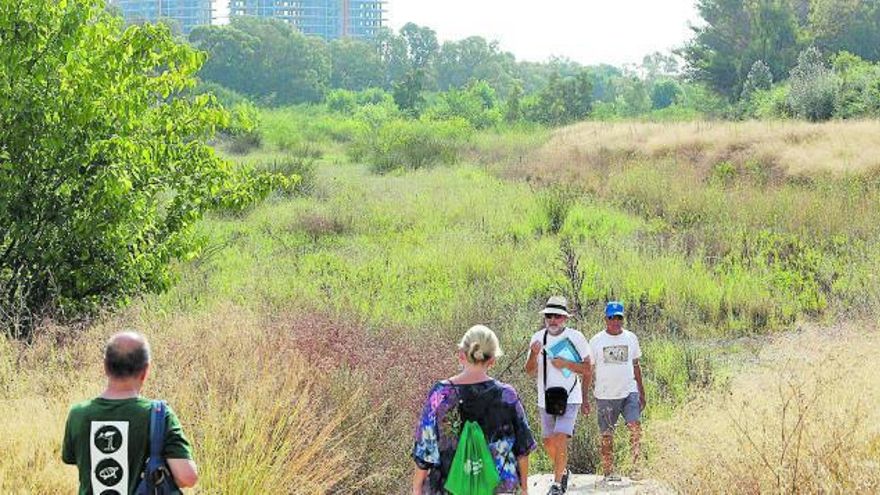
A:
{"points": [[157, 430]]}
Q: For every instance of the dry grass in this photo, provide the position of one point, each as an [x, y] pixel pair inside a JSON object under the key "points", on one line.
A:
{"points": [[805, 420], [792, 147], [260, 419]]}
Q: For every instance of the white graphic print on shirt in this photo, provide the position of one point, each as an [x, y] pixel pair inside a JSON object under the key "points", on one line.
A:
{"points": [[108, 448], [616, 354]]}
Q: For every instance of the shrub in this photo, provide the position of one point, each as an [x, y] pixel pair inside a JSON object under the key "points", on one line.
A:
{"points": [[556, 201], [299, 167], [813, 87], [759, 78], [859, 91], [771, 103], [341, 100], [413, 144], [476, 104], [227, 97], [243, 128], [665, 93]]}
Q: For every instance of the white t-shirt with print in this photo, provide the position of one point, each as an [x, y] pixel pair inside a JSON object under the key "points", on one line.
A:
{"points": [[555, 378], [613, 357]]}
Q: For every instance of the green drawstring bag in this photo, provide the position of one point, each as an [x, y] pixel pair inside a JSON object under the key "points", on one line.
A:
{"points": [[473, 470]]}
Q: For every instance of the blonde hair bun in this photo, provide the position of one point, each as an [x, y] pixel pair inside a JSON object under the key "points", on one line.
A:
{"points": [[480, 344]]}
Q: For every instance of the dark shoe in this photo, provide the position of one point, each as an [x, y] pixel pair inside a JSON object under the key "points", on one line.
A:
{"points": [[555, 489], [564, 483]]}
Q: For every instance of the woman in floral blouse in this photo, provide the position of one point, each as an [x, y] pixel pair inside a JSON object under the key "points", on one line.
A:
{"points": [[476, 396]]}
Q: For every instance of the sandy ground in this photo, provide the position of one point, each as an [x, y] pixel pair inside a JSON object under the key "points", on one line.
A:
{"points": [[539, 484]]}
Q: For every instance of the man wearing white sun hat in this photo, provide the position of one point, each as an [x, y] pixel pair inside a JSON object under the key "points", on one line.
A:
{"points": [[559, 357]]}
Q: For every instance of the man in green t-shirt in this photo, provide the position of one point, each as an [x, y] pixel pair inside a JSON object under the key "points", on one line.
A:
{"points": [[108, 437]]}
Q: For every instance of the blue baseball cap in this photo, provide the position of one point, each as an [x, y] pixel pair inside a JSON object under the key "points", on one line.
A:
{"points": [[613, 308]]}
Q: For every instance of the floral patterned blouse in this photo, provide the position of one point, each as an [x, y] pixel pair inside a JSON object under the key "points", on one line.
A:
{"points": [[495, 406]]}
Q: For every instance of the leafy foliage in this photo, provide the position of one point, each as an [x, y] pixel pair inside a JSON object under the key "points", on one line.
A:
{"points": [[758, 78], [813, 87], [476, 104], [265, 59], [665, 93], [103, 166], [411, 144], [563, 100], [735, 35]]}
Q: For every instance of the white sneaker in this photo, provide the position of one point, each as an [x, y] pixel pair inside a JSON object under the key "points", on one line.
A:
{"points": [[555, 489]]}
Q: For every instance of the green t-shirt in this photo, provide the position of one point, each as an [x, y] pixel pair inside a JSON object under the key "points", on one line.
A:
{"points": [[109, 441]]}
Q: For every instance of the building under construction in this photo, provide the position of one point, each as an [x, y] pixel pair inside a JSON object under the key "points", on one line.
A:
{"points": [[187, 13], [328, 19]]}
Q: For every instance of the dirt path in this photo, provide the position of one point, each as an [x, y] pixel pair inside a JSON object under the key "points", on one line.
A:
{"points": [[539, 484]]}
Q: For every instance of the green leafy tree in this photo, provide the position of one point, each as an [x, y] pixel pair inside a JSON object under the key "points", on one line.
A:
{"points": [[474, 58], [477, 104], [813, 87], [604, 79], [664, 93], [563, 100], [265, 59], [514, 111], [103, 166], [422, 45], [759, 78], [858, 94], [658, 65], [581, 95], [633, 98], [407, 93], [392, 51], [847, 25], [736, 34], [355, 65]]}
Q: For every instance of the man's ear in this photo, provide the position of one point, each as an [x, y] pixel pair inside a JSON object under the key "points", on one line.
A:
{"points": [[144, 373]]}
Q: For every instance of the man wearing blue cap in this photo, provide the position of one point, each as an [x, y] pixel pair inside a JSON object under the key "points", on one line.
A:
{"points": [[618, 386]]}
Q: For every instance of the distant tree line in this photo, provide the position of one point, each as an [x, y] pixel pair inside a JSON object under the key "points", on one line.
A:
{"points": [[271, 63], [763, 58]]}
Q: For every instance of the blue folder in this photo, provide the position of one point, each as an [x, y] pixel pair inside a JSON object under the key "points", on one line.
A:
{"points": [[565, 349]]}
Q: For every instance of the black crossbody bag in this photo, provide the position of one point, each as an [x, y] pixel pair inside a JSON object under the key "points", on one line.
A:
{"points": [[555, 398]]}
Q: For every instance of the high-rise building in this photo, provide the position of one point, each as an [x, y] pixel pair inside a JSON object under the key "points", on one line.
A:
{"points": [[328, 19], [188, 13]]}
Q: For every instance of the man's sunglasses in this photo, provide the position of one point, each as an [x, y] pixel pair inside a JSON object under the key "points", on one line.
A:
{"points": [[616, 317], [551, 316]]}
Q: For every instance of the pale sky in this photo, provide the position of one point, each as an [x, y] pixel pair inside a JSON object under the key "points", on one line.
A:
{"points": [[587, 31]]}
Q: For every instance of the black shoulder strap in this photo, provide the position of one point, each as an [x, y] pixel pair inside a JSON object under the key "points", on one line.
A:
{"points": [[544, 355]]}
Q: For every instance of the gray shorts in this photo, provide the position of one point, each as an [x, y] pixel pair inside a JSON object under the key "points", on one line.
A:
{"points": [[608, 410], [551, 424]]}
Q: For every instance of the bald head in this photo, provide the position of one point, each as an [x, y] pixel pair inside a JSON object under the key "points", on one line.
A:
{"points": [[127, 354]]}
